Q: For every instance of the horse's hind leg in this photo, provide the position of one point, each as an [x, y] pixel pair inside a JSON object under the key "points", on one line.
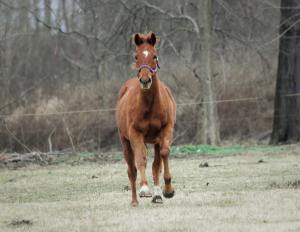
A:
{"points": [[168, 189], [132, 171], [156, 166], [164, 153]]}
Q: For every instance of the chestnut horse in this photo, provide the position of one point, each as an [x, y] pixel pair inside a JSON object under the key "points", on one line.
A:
{"points": [[146, 113]]}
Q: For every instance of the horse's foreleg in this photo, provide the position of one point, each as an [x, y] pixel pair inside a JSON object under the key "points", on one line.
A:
{"points": [[166, 141], [140, 154], [132, 171], [156, 166]]}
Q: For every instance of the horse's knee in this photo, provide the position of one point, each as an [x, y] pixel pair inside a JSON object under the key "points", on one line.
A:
{"points": [[164, 152], [141, 161]]}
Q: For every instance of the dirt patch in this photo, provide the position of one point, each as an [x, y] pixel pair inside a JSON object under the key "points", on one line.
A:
{"points": [[260, 161], [22, 222], [15, 160], [204, 165], [293, 184]]}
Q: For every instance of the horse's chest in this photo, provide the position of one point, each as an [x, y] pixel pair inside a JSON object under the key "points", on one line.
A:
{"points": [[150, 125]]}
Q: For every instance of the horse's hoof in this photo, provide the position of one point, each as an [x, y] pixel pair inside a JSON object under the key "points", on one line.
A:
{"points": [[157, 199], [169, 194], [145, 194], [145, 191], [134, 204], [157, 195]]}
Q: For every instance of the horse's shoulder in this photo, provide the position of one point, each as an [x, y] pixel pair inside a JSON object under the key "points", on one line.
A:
{"points": [[125, 87], [122, 91], [167, 91], [171, 102]]}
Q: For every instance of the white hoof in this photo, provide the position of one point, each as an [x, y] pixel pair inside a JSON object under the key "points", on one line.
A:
{"points": [[157, 195], [145, 191]]}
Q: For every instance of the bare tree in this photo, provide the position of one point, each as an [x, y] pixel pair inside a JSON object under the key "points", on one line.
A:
{"points": [[286, 126], [207, 126]]}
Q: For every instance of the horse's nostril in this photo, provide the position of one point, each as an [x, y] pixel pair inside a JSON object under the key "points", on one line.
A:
{"points": [[145, 81]]}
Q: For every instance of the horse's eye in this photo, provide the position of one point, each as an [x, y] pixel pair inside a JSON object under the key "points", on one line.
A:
{"points": [[135, 57], [155, 57]]}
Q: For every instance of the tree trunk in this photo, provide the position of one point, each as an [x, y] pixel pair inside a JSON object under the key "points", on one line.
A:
{"points": [[47, 6], [24, 21], [286, 125], [208, 129], [65, 15], [37, 13], [73, 23]]}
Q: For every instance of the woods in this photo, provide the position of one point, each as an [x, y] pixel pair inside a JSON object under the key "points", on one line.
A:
{"points": [[62, 63]]}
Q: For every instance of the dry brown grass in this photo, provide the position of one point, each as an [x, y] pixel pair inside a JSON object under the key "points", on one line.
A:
{"points": [[97, 130], [87, 131]]}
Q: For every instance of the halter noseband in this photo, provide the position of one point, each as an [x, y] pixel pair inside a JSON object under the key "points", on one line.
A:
{"points": [[152, 70]]}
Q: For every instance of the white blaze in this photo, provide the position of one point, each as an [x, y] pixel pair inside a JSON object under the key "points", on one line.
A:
{"points": [[146, 53]]}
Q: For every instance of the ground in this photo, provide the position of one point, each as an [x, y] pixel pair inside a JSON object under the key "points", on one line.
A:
{"points": [[256, 190]]}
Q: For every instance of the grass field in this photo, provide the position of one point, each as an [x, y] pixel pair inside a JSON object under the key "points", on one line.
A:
{"points": [[247, 189]]}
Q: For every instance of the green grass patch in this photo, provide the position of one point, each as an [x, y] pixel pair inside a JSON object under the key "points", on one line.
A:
{"points": [[222, 150], [182, 151]]}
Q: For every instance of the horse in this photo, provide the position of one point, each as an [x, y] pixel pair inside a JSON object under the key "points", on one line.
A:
{"points": [[146, 114]]}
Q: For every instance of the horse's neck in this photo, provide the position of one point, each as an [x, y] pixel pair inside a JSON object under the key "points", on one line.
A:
{"points": [[151, 96]]}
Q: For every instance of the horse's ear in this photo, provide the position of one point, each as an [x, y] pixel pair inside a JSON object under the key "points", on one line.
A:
{"points": [[137, 39], [152, 39]]}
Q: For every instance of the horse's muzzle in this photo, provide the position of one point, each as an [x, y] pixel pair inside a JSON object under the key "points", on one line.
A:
{"points": [[145, 83]]}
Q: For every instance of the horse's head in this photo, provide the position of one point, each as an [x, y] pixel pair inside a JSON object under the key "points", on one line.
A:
{"points": [[146, 58]]}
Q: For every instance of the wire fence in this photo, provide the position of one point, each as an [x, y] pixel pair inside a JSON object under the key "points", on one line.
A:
{"points": [[101, 110]]}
